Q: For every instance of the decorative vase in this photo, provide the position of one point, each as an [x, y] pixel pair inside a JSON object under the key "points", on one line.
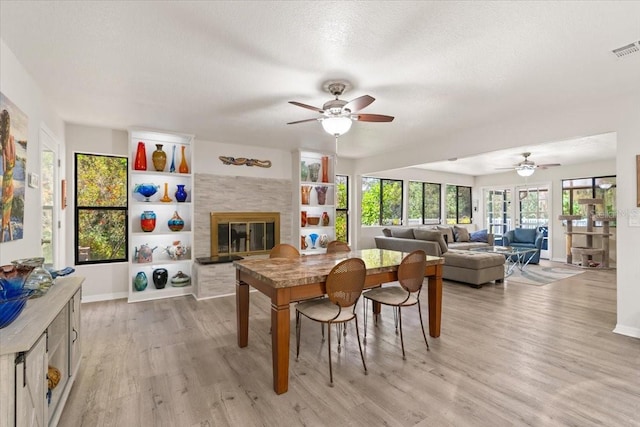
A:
{"points": [[180, 280], [181, 194], [324, 241], [140, 164], [303, 218], [314, 172], [325, 169], [140, 282], [177, 250], [172, 168], [325, 219], [306, 192], [303, 242], [183, 168], [176, 223], [144, 254], [166, 197], [160, 276], [304, 171], [322, 194], [146, 190], [313, 237], [159, 158], [148, 221], [39, 280]]}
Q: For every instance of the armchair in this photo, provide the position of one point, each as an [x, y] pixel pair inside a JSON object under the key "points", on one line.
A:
{"points": [[525, 238]]}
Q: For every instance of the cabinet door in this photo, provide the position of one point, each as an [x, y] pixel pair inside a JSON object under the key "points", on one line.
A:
{"points": [[74, 343], [31, 386]]}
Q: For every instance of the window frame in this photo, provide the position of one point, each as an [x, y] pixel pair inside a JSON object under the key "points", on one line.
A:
{"points": [[458, 188], [381, 201], [344, 210], [594, 187], [424, 201], [78, 209]]}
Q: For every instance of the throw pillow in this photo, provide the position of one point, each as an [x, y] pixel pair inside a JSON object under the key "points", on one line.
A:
{"points": [[448, 231], [461, 234], [479, 236], [432, 236], [386, 232], [404, 233]]}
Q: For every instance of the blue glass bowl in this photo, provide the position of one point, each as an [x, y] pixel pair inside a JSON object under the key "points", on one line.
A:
{"points": [[13, 277], [12, 302], [147, 190]]}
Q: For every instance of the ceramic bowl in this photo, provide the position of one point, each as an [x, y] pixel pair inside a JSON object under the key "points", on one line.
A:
{"points": [[313, 220]]}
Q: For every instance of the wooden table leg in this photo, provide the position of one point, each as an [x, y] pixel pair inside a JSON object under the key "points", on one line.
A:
{"points": [[242, 311], [435, 302], [280, 329]]}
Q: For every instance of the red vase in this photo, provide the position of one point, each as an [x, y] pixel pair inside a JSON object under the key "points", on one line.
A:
{"points": [[140, 163], [325, 169], [303, 218]]}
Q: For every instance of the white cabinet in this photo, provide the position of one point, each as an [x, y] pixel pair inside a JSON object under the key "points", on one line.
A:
{"points": [[315, 197], [40, 339], [156, 247]]}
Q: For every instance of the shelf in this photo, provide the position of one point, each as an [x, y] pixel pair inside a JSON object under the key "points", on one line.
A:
{"points": [[151, 293]]}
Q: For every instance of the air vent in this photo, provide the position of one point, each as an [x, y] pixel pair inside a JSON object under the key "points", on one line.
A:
{"points": [[626, 50]]}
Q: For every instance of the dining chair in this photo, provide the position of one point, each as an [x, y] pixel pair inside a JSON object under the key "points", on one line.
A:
{"points": [[410, 278], [344, 286], [284, 250], [337, 246]]}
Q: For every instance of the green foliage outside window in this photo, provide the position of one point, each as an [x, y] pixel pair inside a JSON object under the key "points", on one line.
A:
{"points": [[101, 208], [458, 199], [342, 206], [424, 203], [381, 201]]}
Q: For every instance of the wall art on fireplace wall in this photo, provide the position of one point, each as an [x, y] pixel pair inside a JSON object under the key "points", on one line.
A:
{"points": [[13, 162]]}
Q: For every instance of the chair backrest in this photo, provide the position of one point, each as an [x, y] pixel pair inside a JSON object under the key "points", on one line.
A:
{"points": [[411, 271], [284, 250], [337, 246], [345, 282]]}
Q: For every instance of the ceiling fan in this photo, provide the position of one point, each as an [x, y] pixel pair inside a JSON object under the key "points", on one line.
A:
{"points": [[337, 115], [527, 167]]}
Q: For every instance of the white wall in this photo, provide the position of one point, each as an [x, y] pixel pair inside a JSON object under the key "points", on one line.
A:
{"points": [[17, 85]]}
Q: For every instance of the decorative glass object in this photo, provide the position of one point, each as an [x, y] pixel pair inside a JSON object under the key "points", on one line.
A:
{"points": [[177, 250], [159, 158], [39, 280], [146, 190], [306, 192], [140, 282], [324, 241], [322, 194], [12, 279], [183, 168], [160, 277], [148, 221], [175, 223], [325, 168], [180, 279], [304, 171], [303, 218], [314, 238], [172, 168], [12, 304], [181, 194], [166, 198], [325, 219], [140, 163], [314, 172], [144, 253], [303, 242]]}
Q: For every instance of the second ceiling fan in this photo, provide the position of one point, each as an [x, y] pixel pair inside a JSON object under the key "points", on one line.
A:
{"points": [[527, 167], [337, 115]]}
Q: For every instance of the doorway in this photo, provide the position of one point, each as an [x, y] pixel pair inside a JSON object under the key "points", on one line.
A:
{"points": [[49, 196]]}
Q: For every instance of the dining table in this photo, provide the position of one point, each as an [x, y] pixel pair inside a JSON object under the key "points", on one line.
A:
{"points": [[286, 280]]}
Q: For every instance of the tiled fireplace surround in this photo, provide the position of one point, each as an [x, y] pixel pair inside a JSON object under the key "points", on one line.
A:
{"points": [[217, 193]]}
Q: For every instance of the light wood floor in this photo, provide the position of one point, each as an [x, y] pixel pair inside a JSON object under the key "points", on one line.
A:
{"points": [[509, 355]]}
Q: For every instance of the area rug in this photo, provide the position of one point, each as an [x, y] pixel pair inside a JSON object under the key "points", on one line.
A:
{"points": [[542, 274]]}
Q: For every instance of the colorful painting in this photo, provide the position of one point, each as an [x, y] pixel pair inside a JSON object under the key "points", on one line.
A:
{"points": [[13, 154]]}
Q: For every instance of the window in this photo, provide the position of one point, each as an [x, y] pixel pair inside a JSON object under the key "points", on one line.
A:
{"points": [[381, 201], [424, 203], [101, 209], [603, 187], [342, 208], [458, 204]]}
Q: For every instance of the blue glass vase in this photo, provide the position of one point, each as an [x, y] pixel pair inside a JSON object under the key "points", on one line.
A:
{"points": [[140, 282], [313, 237], [181, 194]]}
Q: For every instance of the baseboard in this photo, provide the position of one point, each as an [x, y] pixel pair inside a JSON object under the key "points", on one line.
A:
{"points": [[104, 297], [627, 330]]}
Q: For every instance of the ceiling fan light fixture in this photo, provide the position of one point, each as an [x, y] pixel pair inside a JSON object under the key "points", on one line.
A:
{"points": [[525, 170], [336, 126]]}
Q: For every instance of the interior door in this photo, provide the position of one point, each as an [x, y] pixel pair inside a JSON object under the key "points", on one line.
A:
{"points": [[48, 198], [533, 204]]}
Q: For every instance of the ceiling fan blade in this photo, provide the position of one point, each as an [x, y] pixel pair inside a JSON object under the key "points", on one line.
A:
{"points": [[548, 165], [302, 121], [372, 118], [358, 103], [308, 107], [511, 168]]}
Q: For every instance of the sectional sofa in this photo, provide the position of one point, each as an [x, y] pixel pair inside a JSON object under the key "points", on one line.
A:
{"points": [[453, 243]]}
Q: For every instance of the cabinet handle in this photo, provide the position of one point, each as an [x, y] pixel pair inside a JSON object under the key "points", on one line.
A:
{"points": [[75, 338]]}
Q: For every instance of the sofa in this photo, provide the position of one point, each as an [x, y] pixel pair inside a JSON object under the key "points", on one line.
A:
{"points": [[453, 243], [525, 238]]}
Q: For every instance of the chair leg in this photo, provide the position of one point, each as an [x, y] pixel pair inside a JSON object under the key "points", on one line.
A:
{"points": [[360, 347], [339, 332], [395, 318], [422, 326], [297, 334], [322, 327], [365, 320], [404, 357], [329, 351]]}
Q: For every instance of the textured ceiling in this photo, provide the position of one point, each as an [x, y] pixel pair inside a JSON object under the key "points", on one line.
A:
{"points": [[224, 71]]}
